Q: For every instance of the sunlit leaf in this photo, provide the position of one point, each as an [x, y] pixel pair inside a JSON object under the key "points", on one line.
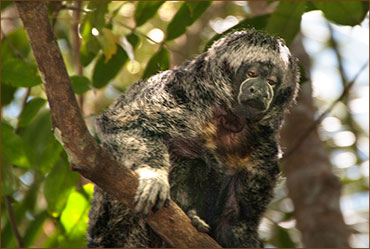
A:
{"points": [[74, 219], [188, 13], [160, 61], [343, 12], [13, 147], [18, 73], [30, 110], [80, 84], [58, 186], [286, 19], [145, 10], [109, 44]]}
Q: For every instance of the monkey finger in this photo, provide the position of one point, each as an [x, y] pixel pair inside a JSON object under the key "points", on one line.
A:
{"points": [[160, 202], [141, 198], [167, 203]]}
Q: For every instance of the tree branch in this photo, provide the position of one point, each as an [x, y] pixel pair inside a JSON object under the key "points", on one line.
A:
{"points": [[84, 153], [12, 221]]}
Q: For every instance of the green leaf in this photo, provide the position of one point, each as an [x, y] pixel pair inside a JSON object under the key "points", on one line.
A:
{"points": [[80, 84], [7, 94], [13, 147], [258, 22], [44, 149], [8, 179], [50, 155], [104, 72], [18, 39], [197, 9], [285, 21], [74, 220], [89, 48], [58, 185], [133, 39], [30, 110], [74, 216], [160, 61], [20, 209], [188, 13], [108, 42], [5, 4], [18, 73], [146, 10], [97, 16], [343, 12], [95, 19], [283, 239]]}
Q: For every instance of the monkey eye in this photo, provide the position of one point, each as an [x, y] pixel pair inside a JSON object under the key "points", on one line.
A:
{"points": [[252, 73], [271, 82]]}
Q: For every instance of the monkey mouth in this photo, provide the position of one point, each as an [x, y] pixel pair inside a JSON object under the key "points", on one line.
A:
{"points": [[249, 113], [255, 105]]}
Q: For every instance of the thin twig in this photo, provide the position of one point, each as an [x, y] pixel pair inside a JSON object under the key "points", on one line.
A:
{"points": [[8, 200], [24, 102], [134, 30], [13, 223], [323, 115], [76, 46], [78, 8]]}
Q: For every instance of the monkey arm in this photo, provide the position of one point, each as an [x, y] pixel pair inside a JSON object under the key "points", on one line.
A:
{"points": [[144, 153]]}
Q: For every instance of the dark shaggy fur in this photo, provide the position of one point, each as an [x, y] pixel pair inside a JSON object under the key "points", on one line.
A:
{"points": [[204, 134]]}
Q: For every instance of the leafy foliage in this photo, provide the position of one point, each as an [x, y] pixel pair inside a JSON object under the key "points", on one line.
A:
{"points": [[146, 10], [160, 61], [343, 12], [185, 16], [286, 19], [49, 205]]}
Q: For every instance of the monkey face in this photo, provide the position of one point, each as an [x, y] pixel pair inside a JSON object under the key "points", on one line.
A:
{"points": [[255, 87], [262, 76]]}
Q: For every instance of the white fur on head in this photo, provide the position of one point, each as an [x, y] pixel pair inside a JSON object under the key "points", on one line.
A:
{"points": [[284, 53], [250, 45]]}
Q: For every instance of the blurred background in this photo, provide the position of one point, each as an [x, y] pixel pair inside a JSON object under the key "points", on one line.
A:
{"points": [[109, 45]]}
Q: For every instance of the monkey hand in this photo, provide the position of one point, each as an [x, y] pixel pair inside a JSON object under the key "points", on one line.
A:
{"points": [[153, 191]]}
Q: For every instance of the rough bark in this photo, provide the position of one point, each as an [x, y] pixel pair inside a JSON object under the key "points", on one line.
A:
{"points": [[85, 154], [312, 186]]}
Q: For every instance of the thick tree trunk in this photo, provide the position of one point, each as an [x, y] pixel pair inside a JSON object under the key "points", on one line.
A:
{"points": [[85, 154], [312, 186]]}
